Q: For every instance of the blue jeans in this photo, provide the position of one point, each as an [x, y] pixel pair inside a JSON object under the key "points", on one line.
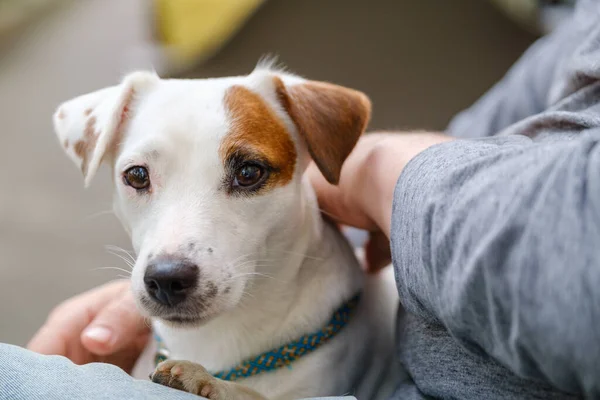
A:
{"points": [[25, 375]]}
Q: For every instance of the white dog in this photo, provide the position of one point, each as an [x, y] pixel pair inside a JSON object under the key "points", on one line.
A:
{"points": [[235, 266]]}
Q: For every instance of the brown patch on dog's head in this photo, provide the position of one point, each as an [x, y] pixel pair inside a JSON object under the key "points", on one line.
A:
{"points": [[329, 117], [84, 147], [257, 132], [87, 112]]}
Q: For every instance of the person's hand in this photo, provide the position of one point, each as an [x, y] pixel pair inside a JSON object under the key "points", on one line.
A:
{"points": [[364, 196], [102, 324]]}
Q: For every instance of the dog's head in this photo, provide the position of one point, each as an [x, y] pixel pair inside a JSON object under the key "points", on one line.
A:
{"points": [[208, 174]]}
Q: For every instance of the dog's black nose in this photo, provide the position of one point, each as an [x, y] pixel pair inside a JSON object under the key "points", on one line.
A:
{"points": [[169, 282]]}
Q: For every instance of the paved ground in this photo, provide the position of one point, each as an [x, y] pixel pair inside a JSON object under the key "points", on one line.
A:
{"points": [[421, 61]]}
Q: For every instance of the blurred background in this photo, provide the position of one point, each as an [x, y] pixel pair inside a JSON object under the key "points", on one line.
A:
{"points": [[420, 61]]}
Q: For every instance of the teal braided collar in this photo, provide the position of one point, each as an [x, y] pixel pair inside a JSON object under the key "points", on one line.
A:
{"points": [[282, 356]]}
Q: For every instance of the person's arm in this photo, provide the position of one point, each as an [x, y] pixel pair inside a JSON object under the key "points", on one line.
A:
{"points": [[552, 69], [363, 197], [499, 239]]}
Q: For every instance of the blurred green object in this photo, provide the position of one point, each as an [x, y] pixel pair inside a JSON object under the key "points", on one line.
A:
{"points": [[540, 16]]}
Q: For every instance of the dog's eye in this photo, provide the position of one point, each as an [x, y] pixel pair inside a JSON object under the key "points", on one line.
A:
{"points": [[137, 178], [248, 175]]}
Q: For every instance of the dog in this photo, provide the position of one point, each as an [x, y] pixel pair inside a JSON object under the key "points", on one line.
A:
{"points": [[252, 293]]}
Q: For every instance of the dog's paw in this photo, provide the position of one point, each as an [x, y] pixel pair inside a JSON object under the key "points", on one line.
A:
{"points": [[189, 377]]}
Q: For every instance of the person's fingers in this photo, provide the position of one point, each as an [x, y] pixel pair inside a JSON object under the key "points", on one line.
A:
{"points": [[127, 358], [49, 340], [115, 327], [60, 333], [377, 252], [334, 201], [327, 194]]}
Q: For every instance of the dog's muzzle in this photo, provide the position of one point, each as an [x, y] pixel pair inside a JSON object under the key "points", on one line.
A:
{"points": [[170, 281]]}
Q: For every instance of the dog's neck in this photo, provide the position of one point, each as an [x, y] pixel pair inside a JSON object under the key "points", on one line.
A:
{"points": [[312, 273]]}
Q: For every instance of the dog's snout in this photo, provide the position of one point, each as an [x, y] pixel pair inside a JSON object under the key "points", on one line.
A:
{"points": [[169, 282]]}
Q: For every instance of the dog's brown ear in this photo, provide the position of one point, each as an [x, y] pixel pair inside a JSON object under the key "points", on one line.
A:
{"points": [[329, 117], [90, 126]]}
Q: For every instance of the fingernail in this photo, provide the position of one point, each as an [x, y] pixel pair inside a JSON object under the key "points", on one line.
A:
{"points": [[99, 334]]}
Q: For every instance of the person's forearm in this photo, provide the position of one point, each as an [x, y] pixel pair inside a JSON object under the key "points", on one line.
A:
{"points": [[497, 239], [382, 167]]}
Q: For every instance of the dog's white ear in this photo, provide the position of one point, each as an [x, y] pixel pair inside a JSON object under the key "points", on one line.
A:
{"points": [[329, 117], [90, 127]]}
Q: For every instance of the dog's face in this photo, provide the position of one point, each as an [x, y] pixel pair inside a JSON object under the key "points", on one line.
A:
{"points": [[208, 175]]}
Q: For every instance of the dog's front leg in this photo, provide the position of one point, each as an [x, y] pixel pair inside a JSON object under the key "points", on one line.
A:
{"points": [[193, 378]]}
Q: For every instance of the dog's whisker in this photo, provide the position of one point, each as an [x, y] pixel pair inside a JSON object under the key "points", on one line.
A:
{"points": [[246, 266], [115, 268], [298, 254], [129, 263], [331, 215], [129, 266], [240, 258], [98, 214], [244, 263], [252, 274], [247, 294], [121, 253], [250, 268], [244, 256], [120, 250]]}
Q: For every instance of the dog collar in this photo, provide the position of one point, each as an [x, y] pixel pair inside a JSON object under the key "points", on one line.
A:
{"points": [[282, 356]]}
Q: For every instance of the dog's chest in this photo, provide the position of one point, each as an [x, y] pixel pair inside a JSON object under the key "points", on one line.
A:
{"points": [[329, 370]]}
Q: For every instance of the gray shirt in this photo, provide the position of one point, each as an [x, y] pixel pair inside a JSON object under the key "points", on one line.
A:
{"points": [[496, 237]]}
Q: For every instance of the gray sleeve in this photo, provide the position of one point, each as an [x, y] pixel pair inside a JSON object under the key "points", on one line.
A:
{"points": [[498, 239], [25, 375]]}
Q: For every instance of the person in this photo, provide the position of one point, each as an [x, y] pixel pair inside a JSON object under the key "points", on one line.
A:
{"points": [[494, 229]]}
